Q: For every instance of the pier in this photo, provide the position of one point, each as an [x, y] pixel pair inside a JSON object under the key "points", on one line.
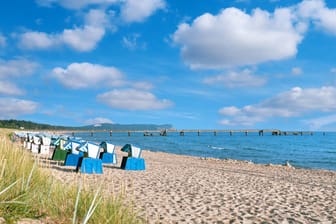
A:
{"points": [[165, 132]]}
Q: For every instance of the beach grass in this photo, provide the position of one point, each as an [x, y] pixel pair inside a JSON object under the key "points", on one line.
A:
{"points": [[29, 192]]}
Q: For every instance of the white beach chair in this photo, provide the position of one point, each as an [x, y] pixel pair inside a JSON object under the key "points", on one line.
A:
{"points": [[72, 145], [45, 146], [92, 149]]}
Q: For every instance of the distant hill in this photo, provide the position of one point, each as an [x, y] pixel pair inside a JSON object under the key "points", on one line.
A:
{"points": [[130, 127], [21, 124]]}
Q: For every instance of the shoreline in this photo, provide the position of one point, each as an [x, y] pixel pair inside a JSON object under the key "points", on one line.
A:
{"points": [[299, 163], [186, 189]]}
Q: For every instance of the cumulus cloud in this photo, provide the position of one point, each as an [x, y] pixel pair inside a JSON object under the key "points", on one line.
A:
{"points": [[130, 10], [99, 120], [137, 11], [84, 38], [17, 67], [37, 40], [235, 38], [9, 72], [292, 103], [85, 75], [12, 107], [8, 88], [236, 79], [321, 16], [132, 99]]}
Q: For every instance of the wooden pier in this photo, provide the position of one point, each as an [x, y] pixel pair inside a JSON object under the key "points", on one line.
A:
{"points": [[182, 132]]}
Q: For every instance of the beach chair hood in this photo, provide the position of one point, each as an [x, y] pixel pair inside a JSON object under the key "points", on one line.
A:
{"points": [[108, 147], [132, 151]]}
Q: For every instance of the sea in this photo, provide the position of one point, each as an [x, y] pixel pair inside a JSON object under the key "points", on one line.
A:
{"points": [[316, 150]]}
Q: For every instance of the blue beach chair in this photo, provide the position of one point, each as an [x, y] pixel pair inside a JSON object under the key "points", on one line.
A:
{"points": [[133, 160], [90, 163], [108, 156], [73, 155]]}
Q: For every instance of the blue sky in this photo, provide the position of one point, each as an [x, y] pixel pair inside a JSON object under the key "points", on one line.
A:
{"points": [[223, 64]]}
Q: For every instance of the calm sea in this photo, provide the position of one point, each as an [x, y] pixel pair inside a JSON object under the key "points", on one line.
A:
{"points": [[316, 151]]}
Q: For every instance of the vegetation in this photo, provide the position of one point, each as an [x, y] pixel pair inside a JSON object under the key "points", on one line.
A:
{"points": [[27, 191], [17, 124]]}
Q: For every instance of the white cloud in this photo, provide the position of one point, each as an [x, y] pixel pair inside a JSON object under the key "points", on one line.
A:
{"points": [[75, 4], [10, 71], [317, 11], [333, 70], [292, 103], [82, 39], [132, 99], [16, 68], [297, 71], [130, 10], [138, 11], [318, 123], [11, 107], [229, 111], [85, 75], [99, 120], [2, 40], [37, 40], [86, 37], [8, 88], [234, 38], [236, 79], [97, 18]]}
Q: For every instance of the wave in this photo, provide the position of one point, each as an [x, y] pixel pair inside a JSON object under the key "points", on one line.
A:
{"points": [[216, 147]]}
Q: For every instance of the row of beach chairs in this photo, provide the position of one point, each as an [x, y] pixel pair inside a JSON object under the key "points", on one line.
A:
{"points": [[85, 156]]}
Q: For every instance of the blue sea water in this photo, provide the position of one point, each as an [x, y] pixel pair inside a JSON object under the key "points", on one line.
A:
{"points": [[316, 151]]}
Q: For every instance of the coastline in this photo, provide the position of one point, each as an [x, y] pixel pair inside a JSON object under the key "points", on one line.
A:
{"points": [[185, 189]]}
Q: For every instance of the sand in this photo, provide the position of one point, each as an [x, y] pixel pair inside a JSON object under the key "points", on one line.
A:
{"points": [[183, 189]]}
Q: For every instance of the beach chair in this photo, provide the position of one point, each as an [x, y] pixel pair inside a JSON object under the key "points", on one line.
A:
{"points": [[28, 141], [59, 153], [73, 155], [45, 145], [36, 143], [90, 163], [108, 156], [133, 160]]}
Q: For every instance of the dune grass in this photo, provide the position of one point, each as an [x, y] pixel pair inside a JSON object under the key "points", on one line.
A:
{"points": [[27, 191]]}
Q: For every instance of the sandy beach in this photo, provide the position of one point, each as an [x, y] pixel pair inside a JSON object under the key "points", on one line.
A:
{"points": [[183, 189]]}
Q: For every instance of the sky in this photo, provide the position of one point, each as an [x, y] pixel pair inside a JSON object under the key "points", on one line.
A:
{"points": [[218, 64]]}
